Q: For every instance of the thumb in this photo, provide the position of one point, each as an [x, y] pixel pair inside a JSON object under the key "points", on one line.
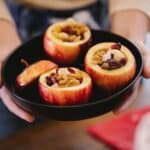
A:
{"points": [[13, 107], [146, 58], [0, 75]]}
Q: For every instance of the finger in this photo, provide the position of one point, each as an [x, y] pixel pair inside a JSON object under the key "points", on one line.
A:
{"points": [[128, 99], [12, 107], [127, 102], [0, 74], [146, 57]]}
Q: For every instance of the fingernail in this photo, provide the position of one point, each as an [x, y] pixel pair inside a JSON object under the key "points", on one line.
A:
{"points": [[135, 43], [140, 44], [30, 119]]}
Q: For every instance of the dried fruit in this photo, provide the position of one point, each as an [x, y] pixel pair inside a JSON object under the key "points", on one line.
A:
{"points": [[71, 70], [116, 46]]}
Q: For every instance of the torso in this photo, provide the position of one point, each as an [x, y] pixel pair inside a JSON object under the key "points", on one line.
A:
{"points": [[56, 4], [32, 20]]}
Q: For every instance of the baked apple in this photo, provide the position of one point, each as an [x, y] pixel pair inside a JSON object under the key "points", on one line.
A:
{"points": [[33, 71], [65, 41], [111, 65], [65, 86]]}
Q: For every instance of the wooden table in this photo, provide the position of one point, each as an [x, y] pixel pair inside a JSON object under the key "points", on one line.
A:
{"points": [[56, 135]]}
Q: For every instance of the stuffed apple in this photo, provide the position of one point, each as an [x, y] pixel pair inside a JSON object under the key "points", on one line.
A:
{"points": [[111, 65], [65, 86], [64, 41]]}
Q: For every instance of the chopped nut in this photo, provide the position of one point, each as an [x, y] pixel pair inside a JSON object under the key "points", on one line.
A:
{"points": [[97, 58], [64, 36], [72, 38], [105, 65], [70, 33]]}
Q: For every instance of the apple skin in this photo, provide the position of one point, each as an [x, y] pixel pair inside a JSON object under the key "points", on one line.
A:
{"points": [[33, 71], [64, 52], [114, 79], [66, 96]]}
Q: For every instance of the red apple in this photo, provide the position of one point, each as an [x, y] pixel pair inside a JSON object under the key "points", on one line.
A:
{"points": [[33, 71], [65, 86], [64, 41], [111, 67]]}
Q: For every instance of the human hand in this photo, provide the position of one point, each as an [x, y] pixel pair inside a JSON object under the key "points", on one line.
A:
{"points": [[7, 44], [13, 107], [135, 30], [129, 99]]}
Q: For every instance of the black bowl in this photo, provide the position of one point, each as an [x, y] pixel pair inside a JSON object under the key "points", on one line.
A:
{"points": [[29, 99]]}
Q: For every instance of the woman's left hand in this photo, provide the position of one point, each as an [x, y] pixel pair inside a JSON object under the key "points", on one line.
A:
{"points": [[133, 25], [129, 99]]}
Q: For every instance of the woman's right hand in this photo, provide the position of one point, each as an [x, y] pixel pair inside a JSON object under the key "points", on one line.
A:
{"points": [[8, 42]]}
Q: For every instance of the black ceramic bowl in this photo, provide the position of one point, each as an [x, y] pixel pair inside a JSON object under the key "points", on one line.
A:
{"points": [[29, 99]]}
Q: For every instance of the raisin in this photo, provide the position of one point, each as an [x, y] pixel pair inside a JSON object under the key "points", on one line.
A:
{"points": [[51, 80], [123, 61], [71, 70], [48, 81], [113, 64], [68, 30], [116, 46], [112, 56], [57, 69]]}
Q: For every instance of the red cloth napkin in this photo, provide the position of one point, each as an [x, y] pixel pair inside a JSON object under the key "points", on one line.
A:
{"points": [[119, 132]]}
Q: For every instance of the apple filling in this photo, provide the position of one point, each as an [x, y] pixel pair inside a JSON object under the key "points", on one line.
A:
{"points": [[70, 33], [108, 59], [64, 77]]}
